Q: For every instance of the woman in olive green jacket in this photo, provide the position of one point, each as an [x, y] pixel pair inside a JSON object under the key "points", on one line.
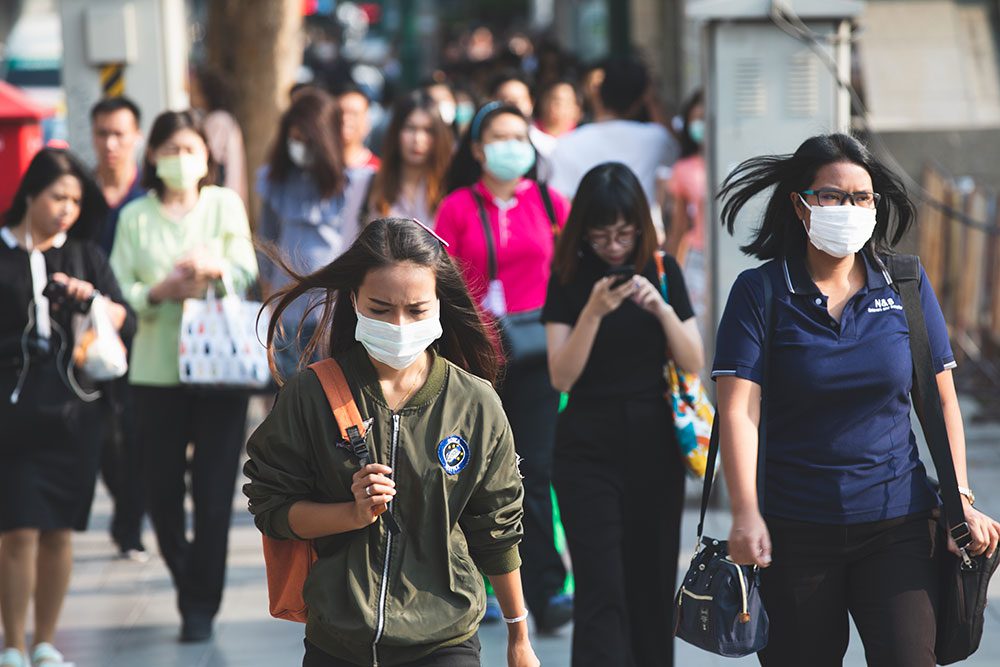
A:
{"points": [[414, 352]]}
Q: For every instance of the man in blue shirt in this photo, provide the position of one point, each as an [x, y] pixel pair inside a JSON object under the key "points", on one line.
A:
{"points": [[115, 134]]}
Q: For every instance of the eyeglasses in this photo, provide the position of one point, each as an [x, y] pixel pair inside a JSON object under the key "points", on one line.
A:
{"points": [[625, 238], [835, 197]]}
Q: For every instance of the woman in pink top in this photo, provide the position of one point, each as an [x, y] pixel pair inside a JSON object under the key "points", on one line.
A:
{"points": [[501, 225], [689, 187]]}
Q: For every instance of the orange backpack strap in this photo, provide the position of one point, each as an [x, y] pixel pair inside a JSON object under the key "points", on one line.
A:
{"points": [[338, 393], [345, 411]]}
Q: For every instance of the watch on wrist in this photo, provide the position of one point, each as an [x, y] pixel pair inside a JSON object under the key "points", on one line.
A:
{"points": [[969, 495]]}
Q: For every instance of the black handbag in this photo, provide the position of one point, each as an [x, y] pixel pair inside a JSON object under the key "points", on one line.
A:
{"points": [[522, 335], [965, 578], [718, 606]]}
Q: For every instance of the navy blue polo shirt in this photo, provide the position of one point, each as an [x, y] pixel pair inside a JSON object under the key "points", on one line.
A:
{"points": [[840, 446]]}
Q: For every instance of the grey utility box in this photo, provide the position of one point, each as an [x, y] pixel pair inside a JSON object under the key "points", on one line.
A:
{"points": [[766, 91]]}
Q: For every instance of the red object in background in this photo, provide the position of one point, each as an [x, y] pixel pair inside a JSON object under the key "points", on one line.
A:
{"points": [[309, 7], [373, 11], [20, 138]]}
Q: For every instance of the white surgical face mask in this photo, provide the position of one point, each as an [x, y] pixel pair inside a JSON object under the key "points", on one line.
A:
{"points": [[447, 110], [839, 231], [396, 345], [299, 153]]}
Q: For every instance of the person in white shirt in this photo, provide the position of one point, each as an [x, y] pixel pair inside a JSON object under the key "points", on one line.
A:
{"points": [[615, 135]]}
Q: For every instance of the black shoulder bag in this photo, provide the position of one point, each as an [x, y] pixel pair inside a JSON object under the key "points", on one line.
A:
{"points": [[719, 608], [522, 334], [965, 579]]}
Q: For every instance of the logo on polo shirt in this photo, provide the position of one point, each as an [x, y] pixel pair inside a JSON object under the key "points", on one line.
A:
{"points": [[883, 305]]}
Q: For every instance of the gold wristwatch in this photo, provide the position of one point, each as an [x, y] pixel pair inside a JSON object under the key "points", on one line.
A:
{"points": [[969, 495]]}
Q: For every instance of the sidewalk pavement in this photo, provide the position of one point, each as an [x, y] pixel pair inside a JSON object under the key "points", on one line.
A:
{"points": [[122, 614]]}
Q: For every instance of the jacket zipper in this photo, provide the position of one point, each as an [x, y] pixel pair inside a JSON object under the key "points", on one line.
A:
{"points": [[383, 589]]}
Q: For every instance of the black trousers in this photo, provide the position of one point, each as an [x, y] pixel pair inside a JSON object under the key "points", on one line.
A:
{"points": [[465, 654], [883, 573], [532, 407], [620, 482], [122, 465], [169, 418]]}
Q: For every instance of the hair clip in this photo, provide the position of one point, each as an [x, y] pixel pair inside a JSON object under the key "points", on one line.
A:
{"points": [[431, 232]]}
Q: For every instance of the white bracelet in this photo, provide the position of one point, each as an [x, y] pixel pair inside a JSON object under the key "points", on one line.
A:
{"points": [[512, 621]]}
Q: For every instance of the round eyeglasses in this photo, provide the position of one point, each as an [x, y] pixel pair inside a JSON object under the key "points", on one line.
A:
{"points": [[625, 238]]}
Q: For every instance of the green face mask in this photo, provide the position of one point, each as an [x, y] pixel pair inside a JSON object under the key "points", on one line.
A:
{"points": [[181, 172]]}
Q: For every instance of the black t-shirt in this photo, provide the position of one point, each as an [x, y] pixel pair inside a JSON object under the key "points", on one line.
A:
{"points": [[630, 348]]}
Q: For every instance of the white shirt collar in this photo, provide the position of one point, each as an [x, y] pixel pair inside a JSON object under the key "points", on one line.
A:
{"points": [[11, 240]]}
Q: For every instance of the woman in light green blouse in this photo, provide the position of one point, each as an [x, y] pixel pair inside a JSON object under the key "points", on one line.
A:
{"points": [[169, 246]]}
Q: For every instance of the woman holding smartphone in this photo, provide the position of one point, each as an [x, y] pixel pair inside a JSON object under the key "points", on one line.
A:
{"points": [[608, 340]]}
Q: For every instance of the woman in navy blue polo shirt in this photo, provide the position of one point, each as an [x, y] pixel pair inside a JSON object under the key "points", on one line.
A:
{"points": [[848, 512]]}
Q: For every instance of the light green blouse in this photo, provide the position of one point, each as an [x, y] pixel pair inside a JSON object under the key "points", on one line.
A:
{"points": [[148, 244]]}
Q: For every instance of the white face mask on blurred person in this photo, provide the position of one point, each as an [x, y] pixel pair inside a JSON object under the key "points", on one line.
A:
{"points": [[299, 153], [839, 231], [447, 111]]}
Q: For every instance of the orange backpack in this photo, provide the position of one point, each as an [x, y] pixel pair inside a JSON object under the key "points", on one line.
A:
{"points": [[288, 561]]}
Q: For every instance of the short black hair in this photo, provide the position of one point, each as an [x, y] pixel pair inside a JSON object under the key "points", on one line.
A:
{"points": [[113, 104], [509, 75], [626, 80], [780, 231], [351, 88]]}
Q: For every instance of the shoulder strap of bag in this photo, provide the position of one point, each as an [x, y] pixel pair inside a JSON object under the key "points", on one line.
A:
{"points": [[338, 394], [491, 247], [345, 412], [550, 211], [713, 448], [661, 274], [905, 273]]}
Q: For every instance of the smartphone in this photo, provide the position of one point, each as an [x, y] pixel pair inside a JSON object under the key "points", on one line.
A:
{"points": [[621, 275]]}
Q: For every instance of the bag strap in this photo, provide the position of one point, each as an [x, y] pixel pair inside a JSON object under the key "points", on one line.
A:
{"points": [[905, 273], [345, 412], [550, 210], [491, 247], [484, 219], [713, 447], [661, 274]]}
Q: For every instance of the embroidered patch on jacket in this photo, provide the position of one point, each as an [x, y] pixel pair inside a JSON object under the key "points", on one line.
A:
{"points": [[453, 454]]}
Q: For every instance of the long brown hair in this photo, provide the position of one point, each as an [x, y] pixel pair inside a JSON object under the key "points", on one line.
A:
{"points": [[467, 341], [388, 181], [315, 115], [608, 193]]}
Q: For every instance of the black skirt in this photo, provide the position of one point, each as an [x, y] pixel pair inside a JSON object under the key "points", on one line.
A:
{"points": [[50, 443]]}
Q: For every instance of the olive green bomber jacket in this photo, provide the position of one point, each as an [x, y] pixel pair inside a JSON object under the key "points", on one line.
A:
{"points": [[373, 597]]}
